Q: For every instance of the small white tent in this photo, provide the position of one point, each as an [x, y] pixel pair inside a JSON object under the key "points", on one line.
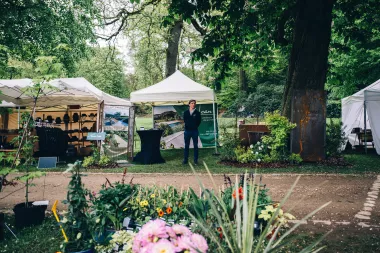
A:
{"points": [[361, 110], [176, 89]]}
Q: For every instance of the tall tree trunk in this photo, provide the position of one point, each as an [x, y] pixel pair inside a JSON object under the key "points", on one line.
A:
{"points": [[304, 99], [172, 50], [243, 80]]}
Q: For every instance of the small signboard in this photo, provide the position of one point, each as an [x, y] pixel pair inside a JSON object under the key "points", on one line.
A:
{"points": [[47, 162], [92, 136]]}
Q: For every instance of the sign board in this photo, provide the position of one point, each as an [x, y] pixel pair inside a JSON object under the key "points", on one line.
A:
{"points": [[171, 119], [92, 136], [47, 162]]}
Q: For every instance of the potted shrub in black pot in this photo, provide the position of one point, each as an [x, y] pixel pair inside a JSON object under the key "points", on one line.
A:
{"points": [[108, 209], [76, 223], [27, 214]]}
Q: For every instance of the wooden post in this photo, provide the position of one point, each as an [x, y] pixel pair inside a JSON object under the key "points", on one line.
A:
{"points": [[99, 120], [131, 131], [2, 226]]}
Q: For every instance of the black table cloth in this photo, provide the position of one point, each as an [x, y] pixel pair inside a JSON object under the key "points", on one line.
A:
{"points": [[150, 147]]}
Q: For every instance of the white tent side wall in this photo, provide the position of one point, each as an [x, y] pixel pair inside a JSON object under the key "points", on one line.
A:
{"points": [[353, 113], [372, 100]]}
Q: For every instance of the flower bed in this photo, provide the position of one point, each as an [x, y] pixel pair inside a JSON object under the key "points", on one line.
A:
{"points": [[169, 220]]}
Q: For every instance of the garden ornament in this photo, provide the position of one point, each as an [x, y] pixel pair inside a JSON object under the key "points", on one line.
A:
{"points": [[54, 210]]}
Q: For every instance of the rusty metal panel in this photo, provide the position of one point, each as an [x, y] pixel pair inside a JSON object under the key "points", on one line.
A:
{"points": [[308, 111]]}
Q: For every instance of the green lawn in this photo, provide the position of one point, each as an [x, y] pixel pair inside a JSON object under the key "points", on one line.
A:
{"points": [[360, 164]]}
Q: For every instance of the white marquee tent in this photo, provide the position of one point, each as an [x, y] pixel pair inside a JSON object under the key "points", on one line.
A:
{"points": [[177, 89], [362, 110], [70, 91], [66, 92]]}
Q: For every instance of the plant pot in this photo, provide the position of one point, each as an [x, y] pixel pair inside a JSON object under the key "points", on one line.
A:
{"points": [[28, 216], [104, 237], [83, 251], [2, 226]]}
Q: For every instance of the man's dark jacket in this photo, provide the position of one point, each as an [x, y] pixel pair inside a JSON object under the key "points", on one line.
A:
{"points": [[193, 121]]}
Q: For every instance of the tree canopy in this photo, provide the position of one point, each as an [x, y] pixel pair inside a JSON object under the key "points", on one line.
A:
{"points": [[32, 28]]}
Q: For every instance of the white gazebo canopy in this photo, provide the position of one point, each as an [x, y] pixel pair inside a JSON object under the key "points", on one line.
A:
{"points": [[71, 91], [361, 110], [174, 90], [177, 89]]}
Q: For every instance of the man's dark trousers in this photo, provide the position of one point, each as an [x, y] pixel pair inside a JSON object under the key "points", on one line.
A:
{"points": [[191, 134]]}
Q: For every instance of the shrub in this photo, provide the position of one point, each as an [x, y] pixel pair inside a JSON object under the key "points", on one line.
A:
{"points": [[88, 161], [335, 138], [277, 140], [295, 158], [76, 223], [229, 142], [242, 155], [104, 160], [107, 210]]}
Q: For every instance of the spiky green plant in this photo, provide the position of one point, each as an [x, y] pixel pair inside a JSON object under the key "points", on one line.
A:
{"points": [[238, 232]]}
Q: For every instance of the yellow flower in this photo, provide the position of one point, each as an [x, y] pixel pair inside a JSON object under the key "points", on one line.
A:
{"points": [[164, 201], [270, 209], [125, 209], [289, 216], [265, 215], [153, 195]]}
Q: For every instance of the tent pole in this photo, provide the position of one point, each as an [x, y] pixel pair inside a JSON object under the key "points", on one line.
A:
{"points": [[365, 126], [18, 117], [153, 116], [213, 114]]}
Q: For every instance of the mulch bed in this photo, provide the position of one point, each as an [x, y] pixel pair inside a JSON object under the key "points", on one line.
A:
{"points": [[256, 165], [109, 166], [335, 161], [331, 161]]}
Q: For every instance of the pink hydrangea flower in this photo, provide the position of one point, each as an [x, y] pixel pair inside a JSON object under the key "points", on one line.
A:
{"points": [[171, 232], [153, 230], [184, 243], [156, 237], [199, 242], [181, 230], [162, 246]]}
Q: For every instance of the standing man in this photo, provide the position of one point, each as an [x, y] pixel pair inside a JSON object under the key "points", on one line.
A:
{"points": [[192, 118]]}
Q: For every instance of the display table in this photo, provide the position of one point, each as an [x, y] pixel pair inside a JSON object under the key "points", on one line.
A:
{"points": [[150, 147]]}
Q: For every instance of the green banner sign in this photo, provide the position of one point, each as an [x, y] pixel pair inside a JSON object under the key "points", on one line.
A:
{"points": [[170, 119]]}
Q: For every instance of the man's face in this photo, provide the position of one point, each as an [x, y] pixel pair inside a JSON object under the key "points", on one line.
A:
{"points": [[192, 105]]}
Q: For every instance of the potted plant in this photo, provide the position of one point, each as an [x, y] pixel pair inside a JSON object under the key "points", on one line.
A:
{"points": [[108, 209], [27, 214], [75, 222]]}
